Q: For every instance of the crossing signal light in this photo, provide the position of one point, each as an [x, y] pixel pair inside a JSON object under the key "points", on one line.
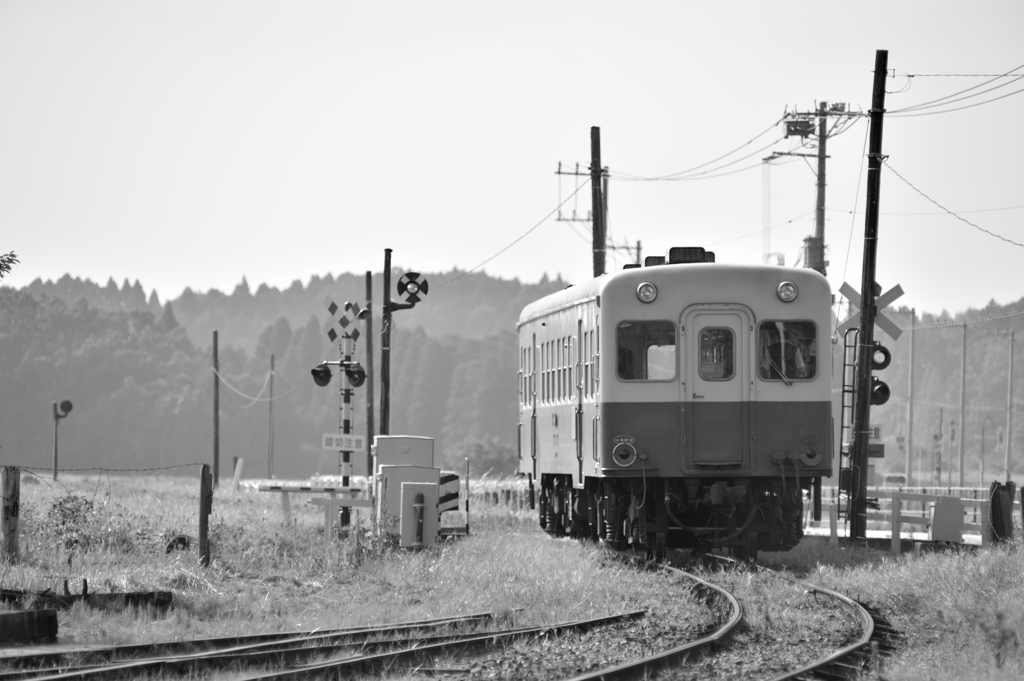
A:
{"points": [[355, 374], [880, 359], [321, 375]]}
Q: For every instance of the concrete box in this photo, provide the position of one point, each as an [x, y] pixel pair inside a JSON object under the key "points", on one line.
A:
{"points": [[389, 487], [410, 520]]}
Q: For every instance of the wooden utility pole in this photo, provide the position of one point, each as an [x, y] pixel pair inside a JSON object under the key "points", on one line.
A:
{"points": [[597, 199], [910, 400], [816, 246], [385, 349], [369, 376], [216, 412], [1009, 410], [10, 482], [962, 435], [865, 339], [270, 423]]}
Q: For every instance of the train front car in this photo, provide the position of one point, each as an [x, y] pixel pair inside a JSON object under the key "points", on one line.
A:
{"points": [[679, 405]]}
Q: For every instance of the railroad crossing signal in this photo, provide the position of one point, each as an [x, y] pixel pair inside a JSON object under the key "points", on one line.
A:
{"points": [[881, 302], [342, 318], [411, 287]]}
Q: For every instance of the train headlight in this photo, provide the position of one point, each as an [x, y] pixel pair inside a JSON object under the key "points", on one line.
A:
{"points": [[788, 292], [647, 292]]}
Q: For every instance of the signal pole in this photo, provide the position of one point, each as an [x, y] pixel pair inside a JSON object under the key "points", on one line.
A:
{"points": [[865, 339]]}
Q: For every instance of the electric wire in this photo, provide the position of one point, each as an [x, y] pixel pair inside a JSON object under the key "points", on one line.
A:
{"points": [[628, 176], [943, 100], [853, 225], [253, 400], [961, 212], [959, 108], [517, 240], [750, 234], [982, 229], [704, 175]]}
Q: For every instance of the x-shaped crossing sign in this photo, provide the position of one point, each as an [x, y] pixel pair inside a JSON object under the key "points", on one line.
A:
{"points": [[341, 321], [881, 302]]}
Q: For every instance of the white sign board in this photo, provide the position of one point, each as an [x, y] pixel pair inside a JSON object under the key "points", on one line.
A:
{"points": [[345, 443]]}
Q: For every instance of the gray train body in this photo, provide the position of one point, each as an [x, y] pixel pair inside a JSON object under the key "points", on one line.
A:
{"points": [[698, 416]]}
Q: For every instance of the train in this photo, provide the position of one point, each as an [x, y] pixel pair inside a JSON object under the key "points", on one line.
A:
{"points": [[684, 403]]}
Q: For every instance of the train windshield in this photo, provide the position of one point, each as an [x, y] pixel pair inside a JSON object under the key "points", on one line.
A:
{"points": [[647, 351], [787, 351]]}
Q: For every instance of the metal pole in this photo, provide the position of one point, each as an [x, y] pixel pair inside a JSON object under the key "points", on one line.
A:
{"points": [[369, 377], [216, 413], [56, 420], [963, 401], [910, 402], [385, 349], [597, 201], [865, 351], [345, 465]]}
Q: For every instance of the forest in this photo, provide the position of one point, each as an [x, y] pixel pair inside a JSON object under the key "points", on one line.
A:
{"points": [[139, 373]]}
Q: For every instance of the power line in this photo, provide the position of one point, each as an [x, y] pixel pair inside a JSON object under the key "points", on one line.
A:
{"points": [[962, 212], [935, 102], [969, 322], [982, 229], [683, 176], [518, 239], [707, 163], [959, 108]]}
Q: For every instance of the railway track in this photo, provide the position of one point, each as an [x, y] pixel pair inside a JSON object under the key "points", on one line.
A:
{"points": [[877, 639], [302, 655]]}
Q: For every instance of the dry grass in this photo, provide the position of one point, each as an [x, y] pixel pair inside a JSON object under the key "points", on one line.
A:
{"points": [[961, 611]]}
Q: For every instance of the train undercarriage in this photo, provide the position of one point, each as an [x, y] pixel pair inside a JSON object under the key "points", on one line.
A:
{"points": [[744, 515]]}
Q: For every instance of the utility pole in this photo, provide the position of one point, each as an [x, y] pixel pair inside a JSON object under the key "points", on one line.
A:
{"points": [[270, 423], [865, 339], [216, 413], [1009, 409], [597, 198], [963, 400], [816, 245], [910, 401], [369, 376]]}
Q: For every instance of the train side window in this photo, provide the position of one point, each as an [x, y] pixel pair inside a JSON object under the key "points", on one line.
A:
{"points": [[716, 354], [646, 350], [787, 351]]}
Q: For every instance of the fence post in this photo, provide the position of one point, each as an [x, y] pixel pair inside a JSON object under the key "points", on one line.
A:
{"points": [[237, 477], [833, 523], [205, 507], [895, 511], [10, 481]]}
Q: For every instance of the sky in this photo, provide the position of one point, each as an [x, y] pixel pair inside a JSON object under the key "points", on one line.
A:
{"points": [[191, 144]]}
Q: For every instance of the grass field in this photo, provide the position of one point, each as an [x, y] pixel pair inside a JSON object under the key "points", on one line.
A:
{"points": [[961, 611]]}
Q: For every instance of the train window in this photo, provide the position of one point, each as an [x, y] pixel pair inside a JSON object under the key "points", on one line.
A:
{"points": [[716, 354], [787, 351], [647, 351]]}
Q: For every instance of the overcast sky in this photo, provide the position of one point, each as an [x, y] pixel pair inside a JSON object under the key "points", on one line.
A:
{"points": [[189, 144]]}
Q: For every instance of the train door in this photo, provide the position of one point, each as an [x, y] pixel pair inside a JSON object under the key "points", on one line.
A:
{"points": [[716, 387]]}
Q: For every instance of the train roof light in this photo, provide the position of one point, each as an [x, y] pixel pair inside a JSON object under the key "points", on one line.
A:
{"points": [[788, 292], [654, 260], [646, 292]]}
